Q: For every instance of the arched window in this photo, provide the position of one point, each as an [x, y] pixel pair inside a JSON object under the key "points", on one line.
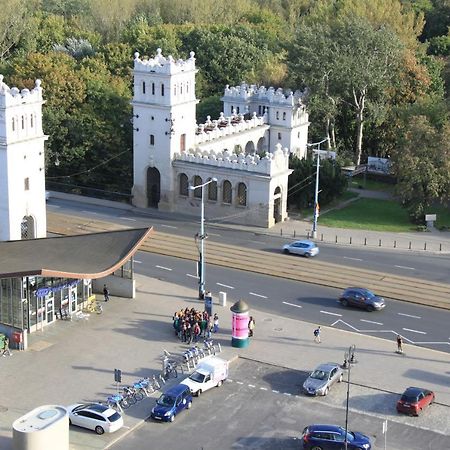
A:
{"points": [[212, 191], [153, 88], [23, 122], [13, 124], [181, 88], [32, 121], [162, 90], [187, 87], [184, 185], [175, 90], [278, 115], [143, 87], [227, 192], [152, 139], [284, 116], [242, 194], [197, 182]]}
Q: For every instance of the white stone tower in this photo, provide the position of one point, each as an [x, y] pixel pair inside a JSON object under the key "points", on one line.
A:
{"points": [[22, 165], [164, 124]]}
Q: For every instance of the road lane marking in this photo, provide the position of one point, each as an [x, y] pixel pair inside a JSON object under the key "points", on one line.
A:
{"points": [[437, 343], [370, 321], [90, 212], [331, 314], [164, 268], [409, 315], [127, 218], [225, 285], [405, 267], [239, 382], [287, 393], [168, 226], [292, 304], [214, 234], [263, 388], [251, 385], [192, 276], [137, 262], [275, 392], [258, 295], [414, 331], [353, 259]]}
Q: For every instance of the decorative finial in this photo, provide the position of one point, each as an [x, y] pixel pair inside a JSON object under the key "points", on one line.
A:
{"points": [[136, 55], [37, 83], [192, 54], [158, 52]]}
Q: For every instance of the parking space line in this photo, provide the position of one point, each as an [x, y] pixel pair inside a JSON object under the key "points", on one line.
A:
{"points": [[331, 314], [228, 380], [258, 295], [414, 331], [370, 321], [164, 268], [225, 285], [409, 315], [292, 304]]}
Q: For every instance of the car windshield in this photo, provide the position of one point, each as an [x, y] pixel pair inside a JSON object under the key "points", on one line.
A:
{"points": [[166, 400], [409, 398], [197, 377], [369, 294], [319, 375], [114, 417]]}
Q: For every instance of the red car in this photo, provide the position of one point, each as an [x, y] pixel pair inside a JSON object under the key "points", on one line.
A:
{"points": [[414, 400]]}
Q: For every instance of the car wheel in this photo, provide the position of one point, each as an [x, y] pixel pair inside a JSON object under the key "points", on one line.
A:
{"points": [[99, 430], [189, 405], [370, 308], [172, 417], [325, 392], [344, 302], [316, 447], [307, 255], [286, 251], [219, 383]]}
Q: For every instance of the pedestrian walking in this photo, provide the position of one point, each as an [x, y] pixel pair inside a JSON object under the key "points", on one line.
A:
{"points": [[251, 326], [6, 350], [105, 293], [399, 344], [317, 335], [216, 323]]}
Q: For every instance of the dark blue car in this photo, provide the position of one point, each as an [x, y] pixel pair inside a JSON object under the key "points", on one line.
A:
{"points": [[170, 403], [332, 437]]}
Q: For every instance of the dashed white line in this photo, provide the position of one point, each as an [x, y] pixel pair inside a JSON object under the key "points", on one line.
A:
{"points": [[263, 388], [90, 212], [414, 331], [164, 268], [287, 393], [370, 321], [192, 276], [293, 304], [137, 262], [409, 315], [168, 226], [225, 285], [331, 314], [275, 392], [214, 234], [229, 380], [239, 382], [353, 259], [128, 218], [405, 267], [251, 385], [257, 295]]}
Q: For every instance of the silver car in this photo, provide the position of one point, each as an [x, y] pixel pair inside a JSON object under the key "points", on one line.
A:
{"points": [[322, 378], [303, 248]]}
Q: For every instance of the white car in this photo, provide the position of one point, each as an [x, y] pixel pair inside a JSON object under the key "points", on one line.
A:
{"points": [[303, 248], [95, 416]]}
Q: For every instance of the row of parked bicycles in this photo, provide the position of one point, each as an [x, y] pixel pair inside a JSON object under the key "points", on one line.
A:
{"points": [[172, 364]]}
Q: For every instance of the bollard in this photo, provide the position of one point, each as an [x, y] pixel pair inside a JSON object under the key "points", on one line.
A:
{"points": [[365, 241], [321, 237], [440, 247], [294, 233], [336, 240], [379, 244], [222, 298], [350, 239], [395, 244], [307, 236], [410, 245], [425, 246], [281, 231]]}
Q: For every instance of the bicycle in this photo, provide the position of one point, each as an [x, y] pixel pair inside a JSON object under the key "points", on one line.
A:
{"points": [[116, 402], [169, 370], [131, 396]]}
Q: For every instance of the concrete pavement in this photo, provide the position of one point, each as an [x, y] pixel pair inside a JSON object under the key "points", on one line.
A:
{"points": [[74, 361]]}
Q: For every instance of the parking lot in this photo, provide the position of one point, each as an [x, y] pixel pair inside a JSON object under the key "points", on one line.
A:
{"points": [[260, 407]]}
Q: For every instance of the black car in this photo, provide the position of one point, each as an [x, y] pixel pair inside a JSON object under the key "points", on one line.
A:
{"points": [[332, 437], [362, 298]]}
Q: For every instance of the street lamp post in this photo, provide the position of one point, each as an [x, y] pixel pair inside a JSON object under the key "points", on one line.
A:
{"points": [[316, 192], [202, 236]]}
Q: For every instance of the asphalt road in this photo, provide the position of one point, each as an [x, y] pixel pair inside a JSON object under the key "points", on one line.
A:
{"points": [[419, 325], [421, 265], [260, 408]]}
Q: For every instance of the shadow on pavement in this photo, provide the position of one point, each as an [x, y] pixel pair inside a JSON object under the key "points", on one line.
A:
{"points": [[261, 443], [428, 377]]}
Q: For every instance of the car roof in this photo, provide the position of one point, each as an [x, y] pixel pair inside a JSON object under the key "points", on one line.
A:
{"points": [[327, 366], [359, 289], [176, 390], [322, 427], [303, 242], [414, 390]]}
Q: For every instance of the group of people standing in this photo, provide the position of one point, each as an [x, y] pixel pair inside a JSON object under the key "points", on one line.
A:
{"points": [[190, 325]]}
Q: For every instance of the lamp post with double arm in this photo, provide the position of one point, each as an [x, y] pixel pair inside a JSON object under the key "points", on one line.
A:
{"points": [[202, 237]]}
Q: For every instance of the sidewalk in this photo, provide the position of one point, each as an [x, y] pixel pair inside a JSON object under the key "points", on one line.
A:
{"points": [[74, 361], [433, 242]]}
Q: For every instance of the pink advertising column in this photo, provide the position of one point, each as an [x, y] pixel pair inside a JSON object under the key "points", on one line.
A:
{"points": [[239, 325]]}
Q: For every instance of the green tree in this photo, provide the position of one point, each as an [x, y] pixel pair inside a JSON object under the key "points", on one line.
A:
{"points": [[422, 166]]}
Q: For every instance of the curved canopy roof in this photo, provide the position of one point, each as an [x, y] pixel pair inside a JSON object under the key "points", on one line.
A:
{"points": [[83, 256]]}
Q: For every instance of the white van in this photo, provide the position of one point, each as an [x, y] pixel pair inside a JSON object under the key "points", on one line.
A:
{"points": [[209, 373]]}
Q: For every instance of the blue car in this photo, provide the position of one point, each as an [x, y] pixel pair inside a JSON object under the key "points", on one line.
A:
{"points": [[172, 402], [332, 437]]}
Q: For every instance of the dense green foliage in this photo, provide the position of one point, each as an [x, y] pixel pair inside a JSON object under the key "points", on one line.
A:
{"points": [[377, 73]]}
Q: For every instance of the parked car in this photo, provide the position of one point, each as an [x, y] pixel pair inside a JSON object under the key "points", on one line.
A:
{"points": [[95, 416], [414, 400], [332, 437], [209, 373], [322, 378], [362, 298], [172, 402], [303, 248]]}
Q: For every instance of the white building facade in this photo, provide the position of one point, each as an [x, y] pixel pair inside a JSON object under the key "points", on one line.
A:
{"points": [[22, 164], [246, 149]]}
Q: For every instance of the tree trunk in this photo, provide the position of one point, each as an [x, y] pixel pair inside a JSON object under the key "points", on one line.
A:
{"points": [[360, 104]]}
